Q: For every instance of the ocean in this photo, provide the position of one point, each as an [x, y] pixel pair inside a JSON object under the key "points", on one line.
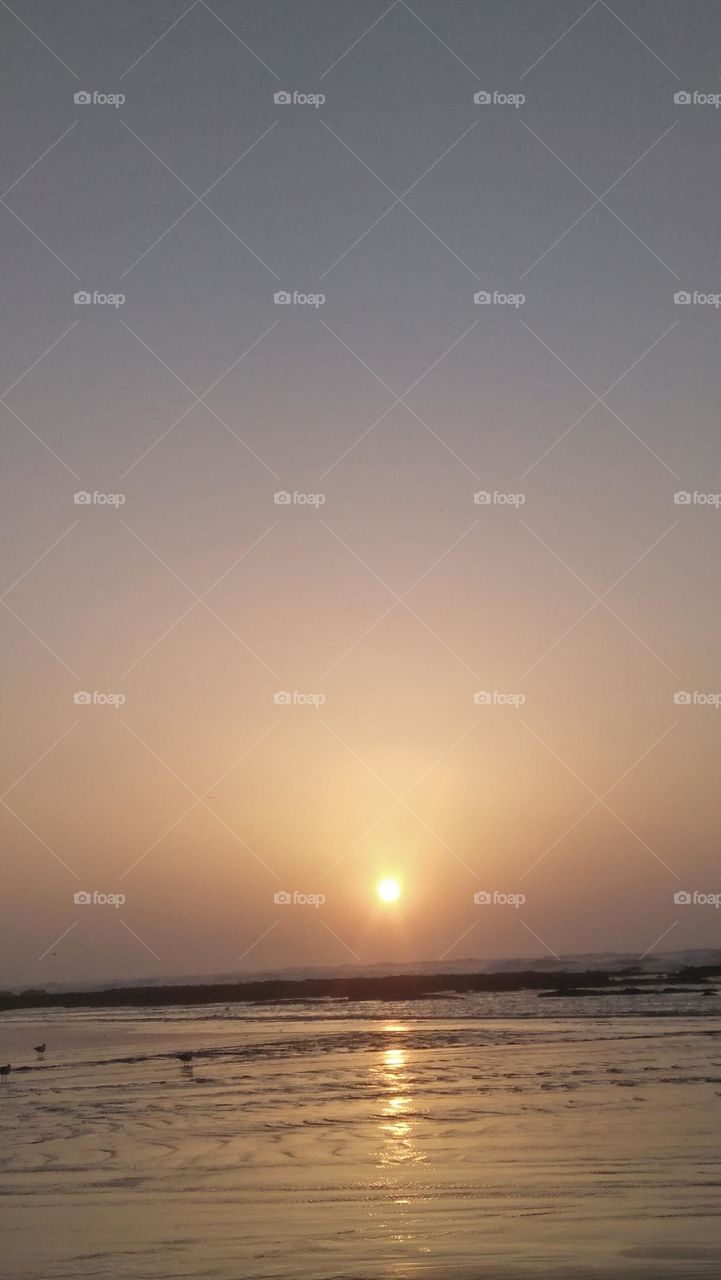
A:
{"points": [[459, 1138]]}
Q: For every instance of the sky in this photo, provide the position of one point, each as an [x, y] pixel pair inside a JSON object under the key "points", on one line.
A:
{"points": [[360, 484]]}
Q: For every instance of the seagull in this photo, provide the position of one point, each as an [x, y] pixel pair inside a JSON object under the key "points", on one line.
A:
{"points": [[5, 1072], [184, 1057], [40, 1048]]}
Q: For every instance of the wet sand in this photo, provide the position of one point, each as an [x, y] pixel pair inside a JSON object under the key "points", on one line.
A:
{"points": [[360, 1147]]}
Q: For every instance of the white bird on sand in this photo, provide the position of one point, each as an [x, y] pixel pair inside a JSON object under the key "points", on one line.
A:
{"points": [[5, 1071]]}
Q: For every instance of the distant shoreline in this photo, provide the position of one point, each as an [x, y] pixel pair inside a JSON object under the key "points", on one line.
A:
{"points": [[630, 980]]}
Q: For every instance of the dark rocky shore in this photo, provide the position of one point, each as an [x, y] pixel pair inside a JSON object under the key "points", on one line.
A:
{"points": [[627, 981]]}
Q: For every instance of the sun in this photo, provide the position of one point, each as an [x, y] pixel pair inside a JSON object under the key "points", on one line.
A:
{"points": [[388, 890]]}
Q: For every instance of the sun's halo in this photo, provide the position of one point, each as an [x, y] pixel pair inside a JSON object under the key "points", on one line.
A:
{"points": [[388, 889]]}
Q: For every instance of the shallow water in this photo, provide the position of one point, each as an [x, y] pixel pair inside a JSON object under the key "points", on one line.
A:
{"points": [[457, 1138]]}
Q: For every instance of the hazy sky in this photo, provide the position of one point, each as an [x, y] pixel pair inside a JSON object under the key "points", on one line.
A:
{"points": [[574, 604]]}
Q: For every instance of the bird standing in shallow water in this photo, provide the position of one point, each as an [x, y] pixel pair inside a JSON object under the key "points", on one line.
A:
{"points": [[5, 1071], [40, 1048], [184, 1057]]}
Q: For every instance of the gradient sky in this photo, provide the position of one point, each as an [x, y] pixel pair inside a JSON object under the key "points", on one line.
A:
{"points": [[397, 399]]}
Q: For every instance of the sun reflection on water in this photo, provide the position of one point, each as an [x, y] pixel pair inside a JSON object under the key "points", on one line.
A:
{"points": [[398, 1115]]}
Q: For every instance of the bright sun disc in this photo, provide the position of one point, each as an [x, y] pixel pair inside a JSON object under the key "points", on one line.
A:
{"points": [[388, 890]]}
